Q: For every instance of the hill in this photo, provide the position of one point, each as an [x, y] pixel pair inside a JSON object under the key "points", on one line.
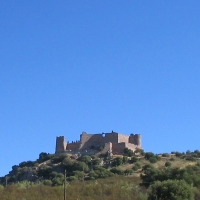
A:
{"points": [[131, 174]]}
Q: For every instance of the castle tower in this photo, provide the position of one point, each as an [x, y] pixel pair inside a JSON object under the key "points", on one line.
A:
{"points": [[60, 144], [135, 139], [138, 140]]}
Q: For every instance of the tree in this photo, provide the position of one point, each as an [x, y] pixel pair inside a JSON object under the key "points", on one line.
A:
{"points": [[80, 166], [148, 155], [149, 175], [165, 155], [117, 161], [87, 159], [153, 160], [117, 170], [44, 156], [125, 159], [170, 189], [128, 152], [96, 161], [128, 171], [134, 159], [141, 151]]}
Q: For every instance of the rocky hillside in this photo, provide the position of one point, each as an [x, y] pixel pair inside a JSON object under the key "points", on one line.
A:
{"points": [[134, 175], [49, 168]]}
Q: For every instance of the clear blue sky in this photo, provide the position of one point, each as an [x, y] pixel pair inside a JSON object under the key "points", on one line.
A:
{"points": [[70, 66]]}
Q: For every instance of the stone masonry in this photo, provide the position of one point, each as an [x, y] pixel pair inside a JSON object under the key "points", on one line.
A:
{"points": [[93, 143]]}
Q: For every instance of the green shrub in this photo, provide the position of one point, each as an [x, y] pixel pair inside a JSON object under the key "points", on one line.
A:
{"points": [[117, 161], [80, 166], [72, 178], [86, 159], [135, 168], [153, 160], [128, 171], [138, 164], [170, 190], [178, 154], [58, 158], [165, 155], [47, 182], [124, 159], [190, 158], [128, 152], [96, 161], [92, 175], [141, 151], [168, 164], [116, 170], [134, 159]]}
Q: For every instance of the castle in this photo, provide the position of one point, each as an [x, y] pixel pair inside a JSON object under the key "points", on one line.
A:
{"points": [[92, 143]]}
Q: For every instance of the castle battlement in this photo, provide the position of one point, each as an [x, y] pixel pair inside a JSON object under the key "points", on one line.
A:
{"points": [[114, 142]]}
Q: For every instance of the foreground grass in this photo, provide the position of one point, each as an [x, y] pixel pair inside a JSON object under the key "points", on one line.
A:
{"points": [[117, 188]]}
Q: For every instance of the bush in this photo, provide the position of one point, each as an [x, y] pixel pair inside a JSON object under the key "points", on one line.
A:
{"points": [[188, 152], [92, 175], [134, 159], [47, 182], [79, 174], [128, 171], [148, 155], [80, 166], [124, 159], [178, 154], [117, 170], [157, 157], [165, 155], [44, 156], [72, 178], [128, 152], [170, 189], [168, 164], [117, 161], [96, 161], [102, 172], [57, 181], [44, 172], [149, 175], [138, 165], [190, 158], [135, 168], [141, 151], [87, 159], [67, 163], [58, 158], [153, 160]]}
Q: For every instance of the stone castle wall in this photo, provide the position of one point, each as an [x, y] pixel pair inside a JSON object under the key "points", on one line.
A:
{"points": [[123, 138], [111, 137], [118, 148], [73, 146], [89, 142]]}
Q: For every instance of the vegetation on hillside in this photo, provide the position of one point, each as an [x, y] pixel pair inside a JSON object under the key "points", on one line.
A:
{"points": [[135, 175]]}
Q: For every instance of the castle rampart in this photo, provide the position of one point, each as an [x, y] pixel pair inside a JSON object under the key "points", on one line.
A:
{"points": [[96, 142]]}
